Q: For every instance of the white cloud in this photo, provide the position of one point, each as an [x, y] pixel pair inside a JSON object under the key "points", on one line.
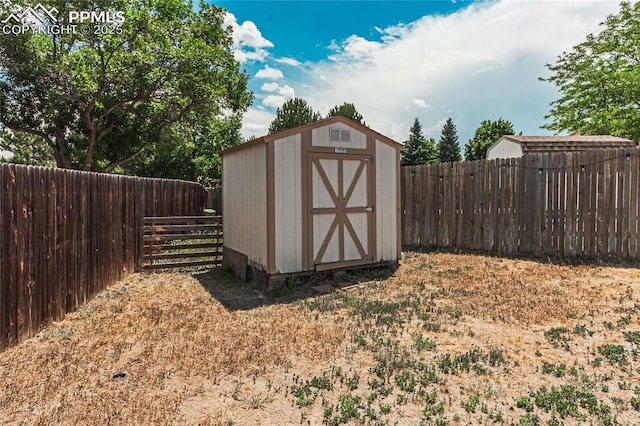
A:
{"points": [[287, 91], [248, 42], [482, 62], [274, 101], [256, 123], [420, 103], [288, 61], [270, 87], [254, 56], [355, 48], [269, 73], [279, 94], [275, 87]]}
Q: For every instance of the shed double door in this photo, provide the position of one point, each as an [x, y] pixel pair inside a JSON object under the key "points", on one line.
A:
{"points": [[342, 210]]}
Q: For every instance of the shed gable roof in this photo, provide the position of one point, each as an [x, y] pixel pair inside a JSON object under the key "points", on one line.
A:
{"points": [[320, 123], [570, 143]]}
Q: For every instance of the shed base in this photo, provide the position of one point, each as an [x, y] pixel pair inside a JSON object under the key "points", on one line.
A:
{"points": [[243, 269], [236, 262], [278, 280]]}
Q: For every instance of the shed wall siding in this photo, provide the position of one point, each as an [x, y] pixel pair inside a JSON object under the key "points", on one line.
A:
{"points": [[505, 149], [320, 137], [245, 202], [288, 204], [386, 210]]}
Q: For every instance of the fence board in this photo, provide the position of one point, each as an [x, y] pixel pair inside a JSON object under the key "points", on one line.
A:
{"points": [[4, 236], [622, 213], [214, 199], [65, 235], [10, 212], [478, 178], [416, 207], [634, 189], [567, 204], [569, 236]]}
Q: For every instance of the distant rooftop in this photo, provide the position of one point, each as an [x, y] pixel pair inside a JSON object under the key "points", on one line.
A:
{"points": [[550, 144]]}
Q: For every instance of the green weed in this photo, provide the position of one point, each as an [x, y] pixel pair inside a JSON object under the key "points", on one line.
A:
{"points": [[553, 369], [303, 394], [471, 404], [632, 337], [321, 382], [423, 344], [615, 354], [529, 420], [558, 337], [525, 403]]}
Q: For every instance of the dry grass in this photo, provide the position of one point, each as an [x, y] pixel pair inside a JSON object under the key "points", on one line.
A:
{"points": [[206, 349]]}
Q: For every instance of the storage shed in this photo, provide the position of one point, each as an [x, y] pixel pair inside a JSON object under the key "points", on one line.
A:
{"points": [[319, 197]]}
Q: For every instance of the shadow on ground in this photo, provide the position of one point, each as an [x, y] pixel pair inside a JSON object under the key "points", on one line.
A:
{"points": [[235, 294]]}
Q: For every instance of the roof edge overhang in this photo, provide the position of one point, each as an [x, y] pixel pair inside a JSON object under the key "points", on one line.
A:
{"points": [[323, 122]]}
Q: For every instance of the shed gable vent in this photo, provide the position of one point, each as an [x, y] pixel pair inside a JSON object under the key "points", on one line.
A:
{"points": [[338, 135]]}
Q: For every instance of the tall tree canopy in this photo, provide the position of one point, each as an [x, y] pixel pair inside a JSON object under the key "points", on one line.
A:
{"points": [[347, 110], [448, 148], [293, 113], [100, 99], [418, 150], [485, 135], [599, 80], [194, 159], [25, 149]]}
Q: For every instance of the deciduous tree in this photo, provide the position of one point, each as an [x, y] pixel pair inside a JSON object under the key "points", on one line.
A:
{"points": [[100, 99], [599, 80], [196, 159], [25, 149], [485, 135]]}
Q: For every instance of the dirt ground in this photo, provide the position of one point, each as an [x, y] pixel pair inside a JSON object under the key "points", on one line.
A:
{"points": [[444, 339]]}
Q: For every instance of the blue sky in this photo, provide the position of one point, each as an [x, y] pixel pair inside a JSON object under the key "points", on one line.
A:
{"points": [[397, 60]]}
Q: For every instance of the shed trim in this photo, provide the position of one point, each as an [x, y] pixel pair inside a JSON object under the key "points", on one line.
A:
{"points": [[307, 127], [398, 208], [371, 198], [271, 202], [305, 142]]}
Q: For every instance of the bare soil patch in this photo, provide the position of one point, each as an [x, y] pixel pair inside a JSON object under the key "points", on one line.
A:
{"points": [[447, 339]]}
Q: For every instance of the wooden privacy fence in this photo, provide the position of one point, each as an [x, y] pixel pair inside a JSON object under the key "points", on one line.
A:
{"points": [[66, 235], [180, 241], [214, 199], [566, 204]]}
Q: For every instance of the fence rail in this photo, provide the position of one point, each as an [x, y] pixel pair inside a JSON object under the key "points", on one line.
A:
{"points": [[66, 235], [566, 204], [192, 234]]}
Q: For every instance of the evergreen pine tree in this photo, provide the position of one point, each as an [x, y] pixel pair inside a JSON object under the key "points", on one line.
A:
{"points": [[418, 150], [448, 148]]}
